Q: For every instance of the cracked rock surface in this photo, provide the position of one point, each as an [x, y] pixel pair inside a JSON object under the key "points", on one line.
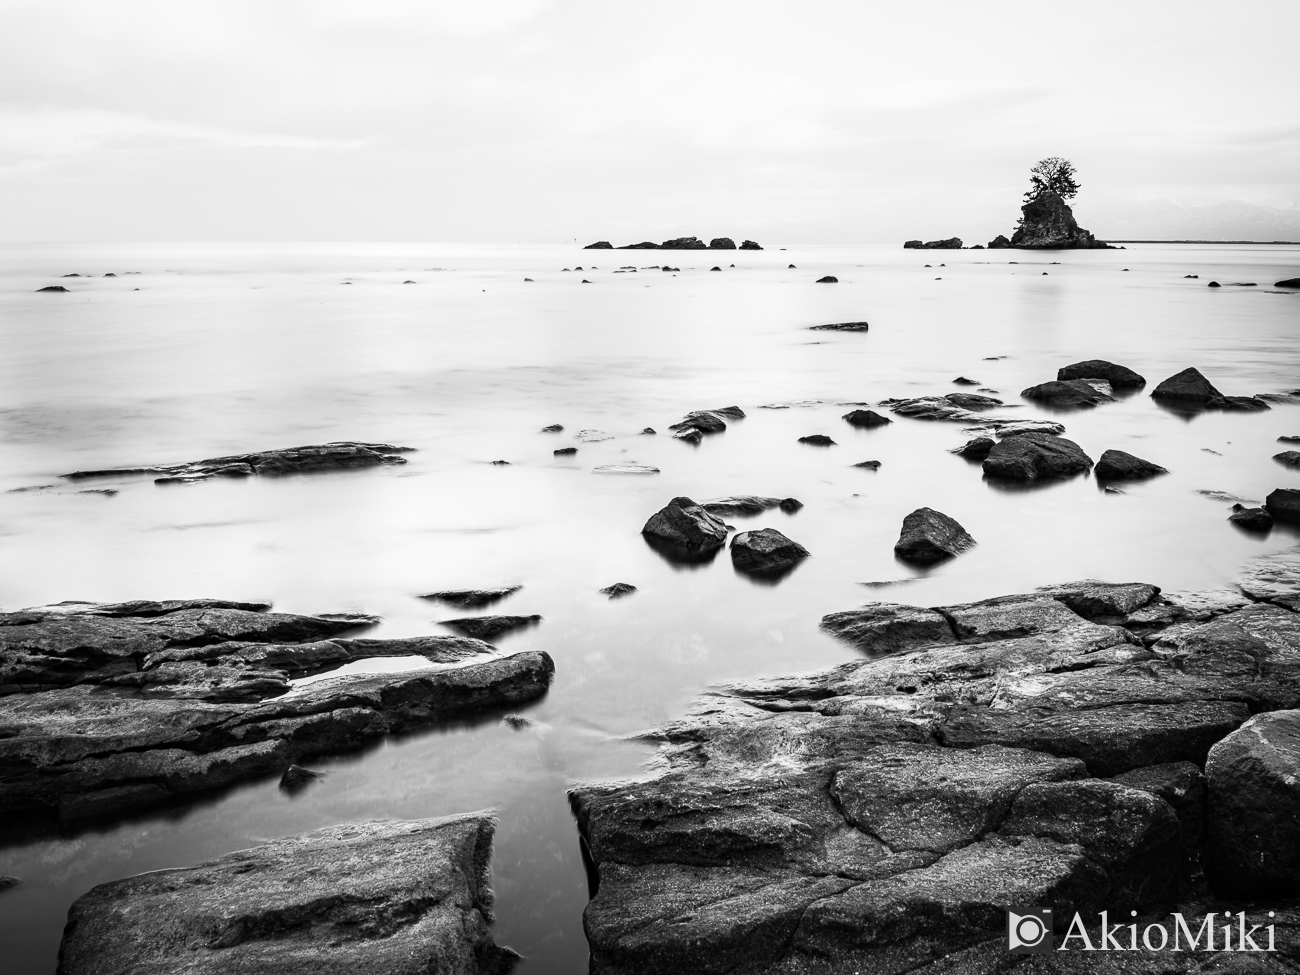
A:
{"points": [[111, 708], [388, 898], [1044, 748]]}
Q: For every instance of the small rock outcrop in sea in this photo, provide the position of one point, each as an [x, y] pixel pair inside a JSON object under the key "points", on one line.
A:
{"points": [[722, 244], [1047, 223], [1284, 504], [645, 245], [684, 244], [618, 590], [111, 708], [1190, 388], [1000, 242], [1117, 465], [967, 408], [879, 816], [1253, 808], [766, 553], [343, 455], [840, 326], [490, 627], [930, 536], [866, 419], [564, 451], [625, 469], [705, 421], [600, 245], [1067, 394], [950, 244], [868, 465], [750, 245], [553, 428], [749, 504], [1251, 519], [828, 279], [472, 598], [1289, 458], [369, 898], [685, 529], [963, 381], [818, 440], [1288, 283], [296, 778], [1035, 457], [976, 449], [51, 287], [1119, 377]]}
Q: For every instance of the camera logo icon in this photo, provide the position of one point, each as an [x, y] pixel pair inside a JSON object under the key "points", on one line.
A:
{"points": [[1029, 931]]}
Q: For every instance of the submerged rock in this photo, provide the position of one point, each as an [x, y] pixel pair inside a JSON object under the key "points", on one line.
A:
{"points": [[553, 428], [1190, 388], [828, 279], [866, 419], [1273, 579], [490, 627], [1253, 808], [977, 449], [625, 469], [1068, 394], [749, 504], [818, 440], [472, 598], [565, 451], [686, 527], [930, 536], [963, 381], [369, 898], [766, 553], [296, 778], [343, 455], [618, 590], [840, 326], [1289, 458], [1116, 465], [1035, 457], [1251, 519], [1119, 377]]}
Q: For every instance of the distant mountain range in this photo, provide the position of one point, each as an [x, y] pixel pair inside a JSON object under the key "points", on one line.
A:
{"points": [[1165, 220]]}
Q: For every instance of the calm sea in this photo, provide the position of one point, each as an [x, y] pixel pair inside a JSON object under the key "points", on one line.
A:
{"points": [[214, 349]]}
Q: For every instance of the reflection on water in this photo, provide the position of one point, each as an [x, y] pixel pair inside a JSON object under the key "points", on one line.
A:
{"points": [[248, 348]]}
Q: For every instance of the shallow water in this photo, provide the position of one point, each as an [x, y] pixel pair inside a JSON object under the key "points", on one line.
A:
{"points": [[226, 348]]}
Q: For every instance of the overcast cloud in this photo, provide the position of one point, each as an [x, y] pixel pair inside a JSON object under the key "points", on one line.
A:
{"points": [[525, 120]]}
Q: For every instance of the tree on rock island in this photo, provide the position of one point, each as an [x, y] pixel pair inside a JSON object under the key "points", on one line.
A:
{"points": [[1052, 175]]}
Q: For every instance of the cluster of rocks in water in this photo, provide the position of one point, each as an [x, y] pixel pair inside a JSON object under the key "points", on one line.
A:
{"points": [[680, 244], [1046, 223]]}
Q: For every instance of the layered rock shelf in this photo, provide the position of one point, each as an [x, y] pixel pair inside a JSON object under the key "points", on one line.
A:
{"points": [[342, 455]]}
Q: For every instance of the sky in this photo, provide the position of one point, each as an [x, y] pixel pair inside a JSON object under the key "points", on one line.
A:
{"points": [[553, 121]]}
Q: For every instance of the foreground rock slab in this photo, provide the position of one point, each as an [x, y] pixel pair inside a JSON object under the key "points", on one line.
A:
{"points": [[879, 816], [343, 455], [377, 898], [103, 712]]}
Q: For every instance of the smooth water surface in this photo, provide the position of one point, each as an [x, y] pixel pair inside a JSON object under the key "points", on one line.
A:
{"points": [[227, 348]]}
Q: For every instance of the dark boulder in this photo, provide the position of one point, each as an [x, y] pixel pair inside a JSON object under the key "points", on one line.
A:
{"points": [[1066, 394], [368, 898], [1188, 386], [930, 536], [1214, 284], [963, 381], [977, 449], [722, 244], [765, 552], [645, 245], [686, 527], [828, 279], [8, 883], [1047, 222], [715, 268], [1116, 465], [1119, 377], [490, 627], [999, 242], [296, 778], [818, 440], [600, 245], [1251, 519], [840, 326], [868, 465], [1289, 458], [750, 245], [1035, 457], [1288, 283], [565, 451], [911, 245], [618, 590], [553, 428], [1253, 808], [472, 598], [1182, 785], [684, 244], [1284, 504], [866, 419], [51, 287]]}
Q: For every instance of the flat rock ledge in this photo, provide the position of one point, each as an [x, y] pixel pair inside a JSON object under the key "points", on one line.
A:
{"points": [[1045, 749], [343, 455], [372, 898], [107, 709]]}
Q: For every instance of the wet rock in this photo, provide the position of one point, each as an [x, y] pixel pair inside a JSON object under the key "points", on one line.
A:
{"points": [[592, 436], [296, 779], [1289, 458], [686, 528], [930, 536], [618, 590], [1071, 394], [684, 244], [965, 408], [977, 449], [1251, 519], [1253, 808], [565, 451], [1284, 504], [963, 381], [766, 552], [818, 440], [472, 598], [840, 326], [1273, 578], [1287, 283], [866, 419], [705, 421], [972, 401], [208, 702], [870, 465], [1119, 377], [342, 455], [749, 504], [722, 244], [828, 279], [490, 627], [691, 435], [1035, 457], [1182, 785], [553, 428], [883, 628], [750, 245], [1191, 388], [1117, 465], [625, 469], [369, 898], [600, 245], [1014, 428], [648, 431], [51, 287], [519, 722]]}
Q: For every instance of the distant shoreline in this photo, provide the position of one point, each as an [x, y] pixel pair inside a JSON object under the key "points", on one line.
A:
{"points": [[1261, 242]]}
